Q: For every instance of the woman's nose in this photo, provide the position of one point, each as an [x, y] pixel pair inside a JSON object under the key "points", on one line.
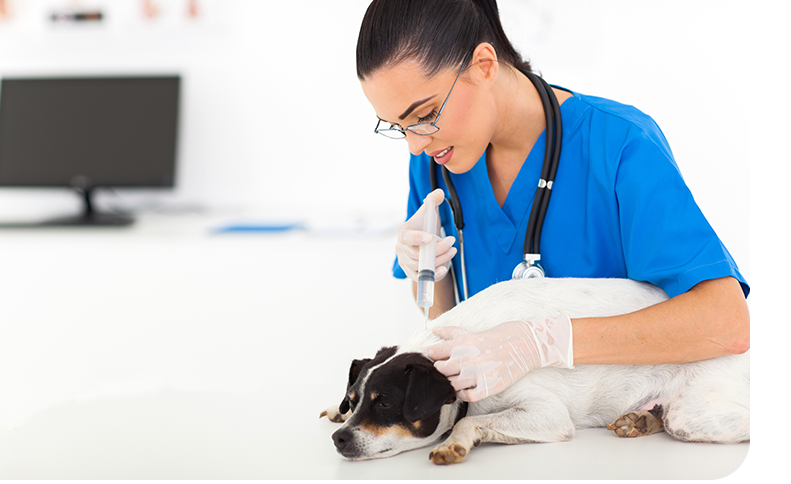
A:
{"points": [[417, 143]]}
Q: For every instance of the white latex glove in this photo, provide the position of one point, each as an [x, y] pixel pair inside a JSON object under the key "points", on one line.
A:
{"points": [[411, 236], [482, 364]]}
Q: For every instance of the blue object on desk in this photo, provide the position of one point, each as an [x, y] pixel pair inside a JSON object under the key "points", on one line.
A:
{"points": [[262, 227]]}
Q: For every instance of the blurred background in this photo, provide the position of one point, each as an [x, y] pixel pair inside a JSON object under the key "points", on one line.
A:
{"points": [[273, 116], [274, 129]]}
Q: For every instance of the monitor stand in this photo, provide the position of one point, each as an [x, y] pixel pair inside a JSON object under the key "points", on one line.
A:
{"points": [[88, 217]]}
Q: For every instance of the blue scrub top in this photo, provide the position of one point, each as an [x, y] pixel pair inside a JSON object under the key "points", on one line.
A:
{"points": [[619, 208]]}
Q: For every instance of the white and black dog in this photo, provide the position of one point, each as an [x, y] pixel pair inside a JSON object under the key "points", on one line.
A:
{"points": [[398, 401]]}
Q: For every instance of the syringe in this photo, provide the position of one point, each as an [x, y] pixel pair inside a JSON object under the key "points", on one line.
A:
{"points": [[427, 259]]}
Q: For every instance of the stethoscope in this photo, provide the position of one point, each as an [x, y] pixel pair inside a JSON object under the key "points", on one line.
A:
{"points": [[529, 268]]}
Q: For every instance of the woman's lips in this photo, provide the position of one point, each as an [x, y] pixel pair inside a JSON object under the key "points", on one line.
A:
{"points": [[442, 156]]}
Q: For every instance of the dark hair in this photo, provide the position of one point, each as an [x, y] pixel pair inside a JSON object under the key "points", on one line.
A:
{"points": [[437, 33]]}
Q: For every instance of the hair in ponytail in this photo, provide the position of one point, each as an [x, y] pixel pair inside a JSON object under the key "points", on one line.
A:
{"points": [[437, 33]]}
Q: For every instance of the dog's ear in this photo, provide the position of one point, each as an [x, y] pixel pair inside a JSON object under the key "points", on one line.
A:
{"points": [[355, 370], [344, 406], [426, 392], [354, 373]]}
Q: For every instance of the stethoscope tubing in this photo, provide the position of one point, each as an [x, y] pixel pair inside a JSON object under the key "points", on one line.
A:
{"points": [[554, 139]]}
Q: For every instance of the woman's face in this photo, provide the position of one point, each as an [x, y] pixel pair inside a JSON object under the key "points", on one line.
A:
{"points": [[403, 95]]}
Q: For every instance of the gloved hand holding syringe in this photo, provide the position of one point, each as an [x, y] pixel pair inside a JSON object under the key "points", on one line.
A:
{"points": [[427, 258], [420, 230]]}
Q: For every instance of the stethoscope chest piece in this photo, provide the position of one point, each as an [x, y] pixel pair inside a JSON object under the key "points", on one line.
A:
{"points": [[529, 268]]}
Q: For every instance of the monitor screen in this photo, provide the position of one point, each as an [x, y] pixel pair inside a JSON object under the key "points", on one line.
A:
{"points": [[88, 132]]}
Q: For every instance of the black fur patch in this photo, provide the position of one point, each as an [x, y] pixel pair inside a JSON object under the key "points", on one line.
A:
{"points": [[409, 393], [657, 411], [358, 367]]}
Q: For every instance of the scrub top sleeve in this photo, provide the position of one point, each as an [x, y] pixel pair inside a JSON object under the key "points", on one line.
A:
{"points": [[666, 238], [414, 201]]}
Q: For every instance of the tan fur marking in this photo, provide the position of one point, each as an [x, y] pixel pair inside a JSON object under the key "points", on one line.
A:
{"points": [[373, 396], [397, 430]]}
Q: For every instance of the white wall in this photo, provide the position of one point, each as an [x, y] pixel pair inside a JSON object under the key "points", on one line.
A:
{"points": [[273, 112]]}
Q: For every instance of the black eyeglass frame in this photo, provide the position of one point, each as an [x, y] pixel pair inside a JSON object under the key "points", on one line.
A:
{"points": [[392, 130]]}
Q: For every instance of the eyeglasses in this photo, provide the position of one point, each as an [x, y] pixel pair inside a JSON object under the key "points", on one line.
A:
{"points": [[395, 131]]}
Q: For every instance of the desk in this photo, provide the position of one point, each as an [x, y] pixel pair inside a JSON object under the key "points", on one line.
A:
{"points": [[162, 351]]}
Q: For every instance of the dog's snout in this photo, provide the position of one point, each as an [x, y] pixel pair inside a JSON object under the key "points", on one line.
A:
{"points": [[341, 438]]}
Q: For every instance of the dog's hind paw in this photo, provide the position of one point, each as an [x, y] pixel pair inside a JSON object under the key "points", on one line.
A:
{"points": [[334, 414], [637, 424], [449, 454]]}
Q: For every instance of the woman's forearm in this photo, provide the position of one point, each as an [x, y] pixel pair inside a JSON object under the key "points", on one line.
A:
{"points": [[709, 320]]}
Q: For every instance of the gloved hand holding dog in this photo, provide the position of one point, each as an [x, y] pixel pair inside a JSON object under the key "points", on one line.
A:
{"points": [[411, 236], [482, 364]]}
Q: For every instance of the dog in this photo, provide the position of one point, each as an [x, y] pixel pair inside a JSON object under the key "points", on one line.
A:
{"points": [[397, 401]]}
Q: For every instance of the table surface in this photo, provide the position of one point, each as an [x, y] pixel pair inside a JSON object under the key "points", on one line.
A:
{"points": [[163, 350]]}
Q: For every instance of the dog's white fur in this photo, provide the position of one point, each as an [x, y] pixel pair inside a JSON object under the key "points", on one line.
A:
{"points": [[704, 401]]}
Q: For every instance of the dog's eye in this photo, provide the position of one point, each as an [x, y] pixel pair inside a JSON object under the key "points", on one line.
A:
{"points": [[384, 405]]}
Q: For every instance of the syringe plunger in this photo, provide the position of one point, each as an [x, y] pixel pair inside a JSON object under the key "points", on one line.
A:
{"points": [[425, 288]]}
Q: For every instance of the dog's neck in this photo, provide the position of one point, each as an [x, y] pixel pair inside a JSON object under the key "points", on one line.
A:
{"points": [[462, 411]]}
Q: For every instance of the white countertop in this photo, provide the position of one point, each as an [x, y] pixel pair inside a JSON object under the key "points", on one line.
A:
{"points": [[163, 351]]}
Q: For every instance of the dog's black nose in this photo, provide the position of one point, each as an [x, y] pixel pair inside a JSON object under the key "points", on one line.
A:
{"points": [[341, 438]]}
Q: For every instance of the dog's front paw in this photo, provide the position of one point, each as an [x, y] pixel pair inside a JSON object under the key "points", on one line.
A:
{"points": [[636, 424], [449, 454], [334, 414]]}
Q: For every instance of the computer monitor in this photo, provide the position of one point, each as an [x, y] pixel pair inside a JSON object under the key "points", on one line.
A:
{"points": [[88, 132]]}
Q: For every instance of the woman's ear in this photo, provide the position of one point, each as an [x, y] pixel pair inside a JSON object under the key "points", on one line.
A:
{"points": [[484, 62]]}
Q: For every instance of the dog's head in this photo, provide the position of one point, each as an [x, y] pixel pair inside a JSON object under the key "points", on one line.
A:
{"points": [[398, 402]]}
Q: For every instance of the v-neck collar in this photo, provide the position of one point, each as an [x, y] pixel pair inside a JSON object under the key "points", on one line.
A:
{"points": [[506, 221]]}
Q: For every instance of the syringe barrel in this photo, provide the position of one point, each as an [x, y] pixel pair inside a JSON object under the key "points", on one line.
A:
{"points": [[427, 258], [425, 275], [425, 289]]}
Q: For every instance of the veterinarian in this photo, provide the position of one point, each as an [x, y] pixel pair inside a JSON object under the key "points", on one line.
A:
{"points": [[443, 75]]}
